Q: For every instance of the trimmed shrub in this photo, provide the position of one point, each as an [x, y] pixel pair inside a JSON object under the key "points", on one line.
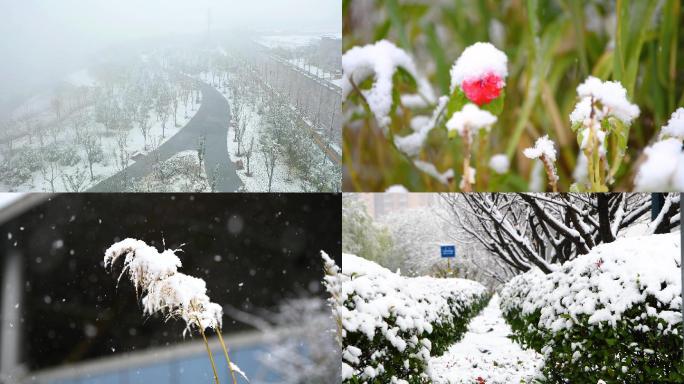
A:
{"points": [[613, 314], [393, 324]]}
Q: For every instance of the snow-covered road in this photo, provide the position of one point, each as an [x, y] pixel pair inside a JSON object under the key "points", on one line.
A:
{"points": [[210, 123], [486, 352]]}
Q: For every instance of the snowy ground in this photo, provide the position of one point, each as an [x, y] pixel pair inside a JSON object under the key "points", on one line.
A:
{"points": [[108, 140], [315, 71], [183, 173], [486, 352], [257, 181]]}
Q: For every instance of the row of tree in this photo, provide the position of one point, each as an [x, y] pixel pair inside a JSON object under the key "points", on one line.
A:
{"points": [[500, 235], [68, 146]]}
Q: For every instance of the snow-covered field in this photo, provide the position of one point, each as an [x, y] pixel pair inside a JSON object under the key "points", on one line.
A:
{"points": [[109, 141], [180, 173], [486, 352], [69, 170]]}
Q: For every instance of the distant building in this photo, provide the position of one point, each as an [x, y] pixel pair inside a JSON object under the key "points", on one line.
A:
{"points": [[380, 204]]}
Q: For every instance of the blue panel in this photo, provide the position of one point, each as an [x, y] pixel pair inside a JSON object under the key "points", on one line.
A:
{"points": [[158, 373], [107, 378], [192, 369], [448, 250]]}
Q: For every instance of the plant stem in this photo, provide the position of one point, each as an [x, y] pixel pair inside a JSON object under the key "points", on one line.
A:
{"points": [[550, 173], [211, 357], [467, 146], [225, 352]]}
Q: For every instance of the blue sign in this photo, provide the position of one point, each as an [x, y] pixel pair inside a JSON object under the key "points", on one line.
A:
{"points": [[448, 250]]}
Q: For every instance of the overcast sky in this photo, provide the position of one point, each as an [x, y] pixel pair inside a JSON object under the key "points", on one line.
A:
{"points": [[59, 33]]}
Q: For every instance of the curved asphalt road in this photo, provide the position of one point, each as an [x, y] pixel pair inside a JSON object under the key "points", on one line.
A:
{"points": [[211, 121]]}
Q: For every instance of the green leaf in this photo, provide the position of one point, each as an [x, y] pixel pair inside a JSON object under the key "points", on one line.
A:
{"points": [[382, 30], [495, 106], [404, 79], [397, 21], [456, 102], [575, 127], [619, 134], [442, 65]]}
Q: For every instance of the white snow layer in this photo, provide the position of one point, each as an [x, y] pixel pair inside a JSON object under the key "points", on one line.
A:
{"points": [[477, 61], [675, 126], [663, 169], [168, 292], [400, 309], [486, 352], [143, 263], [612, 96], [470, 119], [421, 125], [604, 284], [380, 60], [396, 189], [542, 147]]}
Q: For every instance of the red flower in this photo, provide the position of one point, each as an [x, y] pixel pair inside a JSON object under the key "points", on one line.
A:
{"points": [[483, 90], [480, 380]]}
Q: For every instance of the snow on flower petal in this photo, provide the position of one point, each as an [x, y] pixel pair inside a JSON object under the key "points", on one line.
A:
{"points": [[612, 96], [581, 112], [471, 119], [675, 126], [542, 147], [380, 60], [143, 262], [121, 248], [178, 290], [480, 61]]}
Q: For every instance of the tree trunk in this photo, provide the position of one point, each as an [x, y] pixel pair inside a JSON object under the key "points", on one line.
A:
{"points": [[605, 233]]}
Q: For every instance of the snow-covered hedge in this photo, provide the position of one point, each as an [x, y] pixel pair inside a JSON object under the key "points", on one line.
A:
{"points": [[393, 324], [613, 314]]}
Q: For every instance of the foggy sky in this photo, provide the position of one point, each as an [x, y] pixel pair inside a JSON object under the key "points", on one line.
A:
{"points": [[41, 39]]}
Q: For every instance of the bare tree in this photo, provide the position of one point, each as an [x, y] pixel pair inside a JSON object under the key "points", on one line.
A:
{"points": [[527, 230], [237, 109], [174, 105], [142, 116], [50, 166], [240, 130], [90, 144], [248, 156], [201, 151], [270, 151], [74, 181], [122, 157], [56, 105], [54, 129], [108, 112], [7, 141], [164, 117]]}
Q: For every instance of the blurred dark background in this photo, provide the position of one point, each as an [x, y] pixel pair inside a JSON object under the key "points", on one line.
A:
{"points": [[253, 250]]}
